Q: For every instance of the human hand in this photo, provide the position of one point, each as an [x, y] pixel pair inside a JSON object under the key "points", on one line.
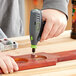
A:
{"points": [[7, 64], [56, 23]]}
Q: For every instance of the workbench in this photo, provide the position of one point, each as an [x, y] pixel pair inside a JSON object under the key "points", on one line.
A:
{"points": [[58, 44]]}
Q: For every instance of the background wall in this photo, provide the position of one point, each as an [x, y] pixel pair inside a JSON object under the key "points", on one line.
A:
{"points": [[31, 4]]}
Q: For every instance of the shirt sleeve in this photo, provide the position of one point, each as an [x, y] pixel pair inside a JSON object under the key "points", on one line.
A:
{"points": [[61, 5]]}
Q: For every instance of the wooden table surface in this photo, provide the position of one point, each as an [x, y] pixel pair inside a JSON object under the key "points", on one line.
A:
{"points": [[58, 44]]}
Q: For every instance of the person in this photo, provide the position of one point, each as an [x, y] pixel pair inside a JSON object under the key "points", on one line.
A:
{"points": [[54, 12]]}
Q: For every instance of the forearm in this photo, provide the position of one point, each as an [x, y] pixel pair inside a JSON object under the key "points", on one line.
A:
{"points": [[61, 5]]}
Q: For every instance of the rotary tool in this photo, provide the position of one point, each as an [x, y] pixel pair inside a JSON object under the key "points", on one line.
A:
{"points": [[36, 28], [5, 43]]}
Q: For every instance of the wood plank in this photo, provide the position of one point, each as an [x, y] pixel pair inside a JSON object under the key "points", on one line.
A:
{"points": [[40, 60]]}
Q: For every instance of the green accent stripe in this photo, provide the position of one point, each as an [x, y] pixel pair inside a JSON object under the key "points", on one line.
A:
{"points": [[33, 46], [31, 38]]}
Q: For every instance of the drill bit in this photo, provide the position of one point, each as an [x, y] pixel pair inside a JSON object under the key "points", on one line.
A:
{"points": [[33, 52]]}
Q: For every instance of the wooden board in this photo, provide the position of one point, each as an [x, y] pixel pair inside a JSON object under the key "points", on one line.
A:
{"points": [[61, 43], [26, 62], [42, 59]]}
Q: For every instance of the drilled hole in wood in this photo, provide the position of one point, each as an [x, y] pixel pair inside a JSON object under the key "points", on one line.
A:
{"points": [[40, 57], [21, 60]]}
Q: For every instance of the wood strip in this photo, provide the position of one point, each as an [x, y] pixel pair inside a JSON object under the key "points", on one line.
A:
{"points": [[26, 62]]}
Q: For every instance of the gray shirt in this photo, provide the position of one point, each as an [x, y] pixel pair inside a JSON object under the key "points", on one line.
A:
{"points": [[12, 14], [61, 5], [12, 17]]}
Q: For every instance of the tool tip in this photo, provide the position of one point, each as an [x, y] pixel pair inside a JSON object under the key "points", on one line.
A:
{"points": [[33, 53]]}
